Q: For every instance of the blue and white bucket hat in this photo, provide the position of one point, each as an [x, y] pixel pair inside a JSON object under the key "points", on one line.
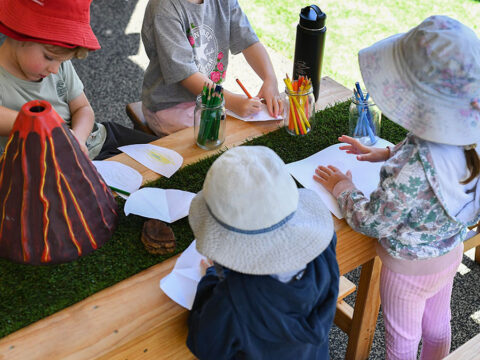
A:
{"points": [[428, 80], [251, 217]]}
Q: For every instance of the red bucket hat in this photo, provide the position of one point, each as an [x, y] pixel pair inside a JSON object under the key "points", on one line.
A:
{"points": [[59, 22]]}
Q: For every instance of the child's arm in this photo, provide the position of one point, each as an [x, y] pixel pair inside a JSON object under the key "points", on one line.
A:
{"points": [[239, 104], [257, 57], [7, 119], [212, 329], [333, 180], [379, 214], [365, 153], [82, 120]]}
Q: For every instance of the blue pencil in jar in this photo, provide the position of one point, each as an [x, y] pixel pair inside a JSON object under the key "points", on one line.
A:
{"points": [[364, 118]]}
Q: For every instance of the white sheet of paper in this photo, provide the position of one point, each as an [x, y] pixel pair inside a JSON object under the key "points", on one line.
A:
{"points": [[262, 115], [365, 175], [119, 175], [154, 203], [159, 159], [181, 284]]}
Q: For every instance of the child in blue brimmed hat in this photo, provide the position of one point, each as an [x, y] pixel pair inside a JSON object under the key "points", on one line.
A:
{"points": [[273, 291], [428, 81]]}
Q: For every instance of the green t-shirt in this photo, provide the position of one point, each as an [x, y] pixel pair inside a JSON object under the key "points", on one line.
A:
{"points": [[58, 89]]}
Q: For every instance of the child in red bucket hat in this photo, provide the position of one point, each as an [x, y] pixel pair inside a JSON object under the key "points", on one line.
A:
{"points": [[42, 37]]}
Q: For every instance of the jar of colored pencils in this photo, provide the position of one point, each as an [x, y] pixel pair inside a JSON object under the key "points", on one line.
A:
{"points": [[299, 108], [364, 119], [209, 120]]}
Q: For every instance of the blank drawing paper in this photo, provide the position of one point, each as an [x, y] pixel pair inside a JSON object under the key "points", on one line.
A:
{"points": [[365, 175], [181, 284], [262, 115], [119, 175], [165, 205]]}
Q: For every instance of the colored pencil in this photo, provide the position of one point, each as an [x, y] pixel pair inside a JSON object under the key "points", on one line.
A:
{"points": [[120, 191], [299, 107], [212, 97], [243, 88]]}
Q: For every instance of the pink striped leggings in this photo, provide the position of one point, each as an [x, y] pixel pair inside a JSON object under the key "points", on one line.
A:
{"points": [[414, 308]]}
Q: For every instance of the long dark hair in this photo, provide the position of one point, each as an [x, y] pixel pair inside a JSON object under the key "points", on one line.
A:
{"points": [[473, 163]]}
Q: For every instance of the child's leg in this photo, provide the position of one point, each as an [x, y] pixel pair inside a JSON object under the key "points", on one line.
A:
{"points": [[404, 303], [168, 121], [118, 135], [402, 307], [436, 332]]}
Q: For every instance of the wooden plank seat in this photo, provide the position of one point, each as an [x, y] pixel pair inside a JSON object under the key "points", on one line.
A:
{"points": [[135, 113], [154, 342]]}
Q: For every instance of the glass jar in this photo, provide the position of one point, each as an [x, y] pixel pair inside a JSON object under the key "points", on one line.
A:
{"points": [[209, 123], [299, 111], [364, 121]]}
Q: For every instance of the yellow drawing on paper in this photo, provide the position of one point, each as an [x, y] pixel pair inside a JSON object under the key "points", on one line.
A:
{"points": [[156, 155]]}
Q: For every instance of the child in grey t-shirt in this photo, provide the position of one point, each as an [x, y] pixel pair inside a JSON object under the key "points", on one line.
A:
{"points": [[187, 42]]}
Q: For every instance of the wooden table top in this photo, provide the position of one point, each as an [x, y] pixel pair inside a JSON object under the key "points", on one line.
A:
{"points": [[134, 318]]}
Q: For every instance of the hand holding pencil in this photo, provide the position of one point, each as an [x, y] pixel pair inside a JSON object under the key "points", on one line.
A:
{"points": [[268, 95], [245, 106]]}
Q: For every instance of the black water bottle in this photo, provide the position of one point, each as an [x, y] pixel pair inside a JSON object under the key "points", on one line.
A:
{"points": [[309, 45]]}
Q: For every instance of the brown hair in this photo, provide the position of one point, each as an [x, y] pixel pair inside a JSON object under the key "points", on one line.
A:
{"points": [[473, 163], [78, 52]]}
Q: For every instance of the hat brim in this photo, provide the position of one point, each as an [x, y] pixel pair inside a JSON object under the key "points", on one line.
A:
{"points": [[20, 37], [35, 25], [289, 247], [410, 104]]}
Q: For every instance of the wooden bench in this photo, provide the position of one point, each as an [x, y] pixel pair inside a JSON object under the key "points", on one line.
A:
{"points": [[468, 351], [473, 241], [135, 113]]}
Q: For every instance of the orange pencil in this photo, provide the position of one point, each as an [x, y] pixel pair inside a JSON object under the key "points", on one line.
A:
{"points": [[243, 88]]}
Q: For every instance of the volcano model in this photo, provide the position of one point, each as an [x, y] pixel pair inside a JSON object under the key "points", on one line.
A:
{"points": [[54, 207]]}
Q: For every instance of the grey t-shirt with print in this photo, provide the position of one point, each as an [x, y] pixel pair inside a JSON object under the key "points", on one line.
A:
{"points": [[182, 38], [58, 89]]}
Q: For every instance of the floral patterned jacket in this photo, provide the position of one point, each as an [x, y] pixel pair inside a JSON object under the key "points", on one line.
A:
{"points": [[406, 213]]}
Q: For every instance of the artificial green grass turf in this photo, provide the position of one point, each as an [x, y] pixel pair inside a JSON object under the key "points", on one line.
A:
{"points": [[29, 293]]}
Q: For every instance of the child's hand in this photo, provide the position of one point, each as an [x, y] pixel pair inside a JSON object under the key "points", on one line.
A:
{"points": [[82, 144], [330, 176], [244, 106], [366, 153], [204, 265], [269, 92]]}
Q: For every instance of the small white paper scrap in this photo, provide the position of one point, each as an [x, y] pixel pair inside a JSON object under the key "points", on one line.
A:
{"points": [[119, 175], [262, 115], [159, 159], [365, 175], [165, 205], [181, 284]]}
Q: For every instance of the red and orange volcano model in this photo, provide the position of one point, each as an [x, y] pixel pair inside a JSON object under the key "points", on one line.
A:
{"points": [[54, 207]]}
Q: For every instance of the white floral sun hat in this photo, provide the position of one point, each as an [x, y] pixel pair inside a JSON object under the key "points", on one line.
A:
{"points": [[428, 80], [252, 218]]}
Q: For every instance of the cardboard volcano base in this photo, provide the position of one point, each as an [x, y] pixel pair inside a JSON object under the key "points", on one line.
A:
{"points": [[54, 206]]}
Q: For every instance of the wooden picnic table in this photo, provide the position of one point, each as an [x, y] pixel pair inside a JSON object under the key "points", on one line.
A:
{"points": [[134, 319]]}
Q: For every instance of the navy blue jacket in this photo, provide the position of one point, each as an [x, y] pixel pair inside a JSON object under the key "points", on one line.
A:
{"points": [[258, 317]]}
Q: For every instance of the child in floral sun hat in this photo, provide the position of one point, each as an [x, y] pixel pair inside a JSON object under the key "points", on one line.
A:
{"points": [[428, 81], [273, 291], [42, 37]]}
